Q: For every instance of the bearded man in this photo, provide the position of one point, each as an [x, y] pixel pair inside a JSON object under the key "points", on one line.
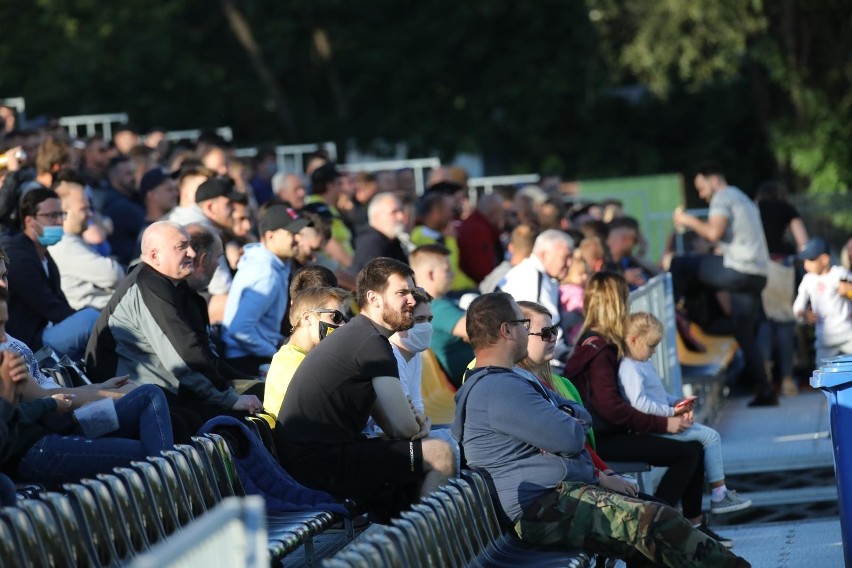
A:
{"points": [[349, 377]]}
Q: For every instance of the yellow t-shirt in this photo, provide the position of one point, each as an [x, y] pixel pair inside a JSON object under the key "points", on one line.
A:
{"points": [[422, 235], [339, 231], [284, 365]]}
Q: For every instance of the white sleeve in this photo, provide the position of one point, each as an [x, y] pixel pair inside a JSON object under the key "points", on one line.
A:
{"points": [[631, 383], [803, 296]]}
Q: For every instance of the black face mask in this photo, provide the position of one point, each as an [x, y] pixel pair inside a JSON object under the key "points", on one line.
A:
{"points": [[325, 329]]}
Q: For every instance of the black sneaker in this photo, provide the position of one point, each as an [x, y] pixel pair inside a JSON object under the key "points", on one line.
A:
{"points": [[726, 542]]}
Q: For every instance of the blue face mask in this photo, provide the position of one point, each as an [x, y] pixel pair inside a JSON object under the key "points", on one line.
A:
{"points": [[50, 236]]}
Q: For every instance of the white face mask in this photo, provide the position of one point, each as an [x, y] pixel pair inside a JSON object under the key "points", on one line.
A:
{"points": [[419, 338]]}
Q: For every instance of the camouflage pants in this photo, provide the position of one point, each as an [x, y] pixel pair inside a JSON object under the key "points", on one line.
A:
{"points": [[579, 515]]}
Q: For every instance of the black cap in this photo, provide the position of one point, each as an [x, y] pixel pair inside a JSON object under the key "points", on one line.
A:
{"points": [[319, 208], [813, 249], [150, 180], [282, 217], [216, 187], [325, 174]]}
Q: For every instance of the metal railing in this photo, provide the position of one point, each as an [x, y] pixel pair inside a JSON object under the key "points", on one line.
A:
{"points": [[192, 134], [419, 165], [486, 184], [291, 158], [657, 297], [93, 123], [231, 534]]}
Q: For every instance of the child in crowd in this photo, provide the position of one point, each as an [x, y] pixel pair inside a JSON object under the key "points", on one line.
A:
{"points": [[640, 385], [822, 300], [571, 296]]}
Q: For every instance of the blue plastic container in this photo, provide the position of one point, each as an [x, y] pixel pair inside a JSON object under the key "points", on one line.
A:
{"points": [[834, 378]]}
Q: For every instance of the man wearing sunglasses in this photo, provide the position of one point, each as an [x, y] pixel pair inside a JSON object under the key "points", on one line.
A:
{"points": [[259, 293], [349, 377], [531, 442]]}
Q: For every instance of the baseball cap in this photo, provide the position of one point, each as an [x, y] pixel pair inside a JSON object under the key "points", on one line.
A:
{"points": [[216, 187], [150, 180], [813, 249], [282, 217]]}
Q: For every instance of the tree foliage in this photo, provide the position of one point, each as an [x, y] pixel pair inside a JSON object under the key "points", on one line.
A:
{"points": [[588, 87]]}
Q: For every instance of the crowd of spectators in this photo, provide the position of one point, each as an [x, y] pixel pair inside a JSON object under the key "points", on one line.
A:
{"points": [[185, 276]]}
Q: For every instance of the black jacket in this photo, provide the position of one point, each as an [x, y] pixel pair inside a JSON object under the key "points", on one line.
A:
{"points": [[35, 298]]}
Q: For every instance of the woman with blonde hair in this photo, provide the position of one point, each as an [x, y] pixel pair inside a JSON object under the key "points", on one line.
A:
{"points": [[622, 432]]}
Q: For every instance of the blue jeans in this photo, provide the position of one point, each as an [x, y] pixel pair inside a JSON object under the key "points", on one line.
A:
{"points": [[707, 271], [70, 336], [712, 443], [776, 342], [144, 429]]}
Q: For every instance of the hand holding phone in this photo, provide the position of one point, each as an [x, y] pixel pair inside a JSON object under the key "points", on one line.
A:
{"points": [[684, 405]]}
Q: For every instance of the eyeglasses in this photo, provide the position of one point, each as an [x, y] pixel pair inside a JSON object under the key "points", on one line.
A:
{"points": [[336, 315], [423, 319], [56, 216], [523, 322], [548, 333]]}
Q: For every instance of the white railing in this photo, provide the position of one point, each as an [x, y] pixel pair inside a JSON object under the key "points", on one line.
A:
{"points": [[193, 134], [93, 123], [657, 297], [487, 183], [231, 534], [419, 165], [291, 158]]}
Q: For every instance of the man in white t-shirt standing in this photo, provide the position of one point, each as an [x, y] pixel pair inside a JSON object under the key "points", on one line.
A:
{"points": [[733, 225]]}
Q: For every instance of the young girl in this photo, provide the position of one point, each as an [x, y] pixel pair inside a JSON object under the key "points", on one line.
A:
{"points": [[642, 387], [622, 432], [571, 292]]}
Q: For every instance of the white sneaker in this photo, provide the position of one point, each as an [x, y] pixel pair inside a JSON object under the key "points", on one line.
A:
{"points": [[730, 503]]}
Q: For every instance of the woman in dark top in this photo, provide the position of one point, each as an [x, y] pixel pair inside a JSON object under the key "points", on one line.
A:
{"points": [[622, 432]]}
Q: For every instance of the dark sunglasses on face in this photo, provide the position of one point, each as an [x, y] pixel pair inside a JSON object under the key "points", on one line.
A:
{"points": [[548, 333], [337, 316]]}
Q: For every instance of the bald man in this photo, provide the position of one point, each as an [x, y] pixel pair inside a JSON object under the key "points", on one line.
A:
{"points": [[154, 329], [381, 237]]}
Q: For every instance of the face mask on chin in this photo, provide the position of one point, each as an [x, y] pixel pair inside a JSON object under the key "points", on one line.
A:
{"points": [[50, 235], [418, 339]]}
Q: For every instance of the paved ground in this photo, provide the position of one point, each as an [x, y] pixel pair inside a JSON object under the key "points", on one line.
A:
{"points": [[782, 446]]}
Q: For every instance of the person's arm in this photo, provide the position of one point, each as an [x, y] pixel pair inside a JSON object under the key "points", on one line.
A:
{"points": [[446, 312], [540, 424], [254, 300], [31, 287], [632, 381], [802, 298], [799, 232], [392, 411], [713, 229], [608, 403]]}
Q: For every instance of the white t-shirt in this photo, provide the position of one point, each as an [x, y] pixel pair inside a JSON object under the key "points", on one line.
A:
{"points": [[833, 311], [410, 375]]}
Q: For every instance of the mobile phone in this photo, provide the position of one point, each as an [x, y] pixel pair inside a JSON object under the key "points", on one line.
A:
{"points": [[686, 401]]}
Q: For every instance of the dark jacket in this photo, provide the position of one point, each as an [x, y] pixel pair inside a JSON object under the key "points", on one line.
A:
{"points": [[35, 298], [370, 244], [157, 331], [593, 368]]}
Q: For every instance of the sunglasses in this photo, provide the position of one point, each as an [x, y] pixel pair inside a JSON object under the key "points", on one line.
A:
{"points": [[337, 316], [548, 333], [523, 322]]}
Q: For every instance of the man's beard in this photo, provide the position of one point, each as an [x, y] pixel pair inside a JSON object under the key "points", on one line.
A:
{"points": [[398, 321]]}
